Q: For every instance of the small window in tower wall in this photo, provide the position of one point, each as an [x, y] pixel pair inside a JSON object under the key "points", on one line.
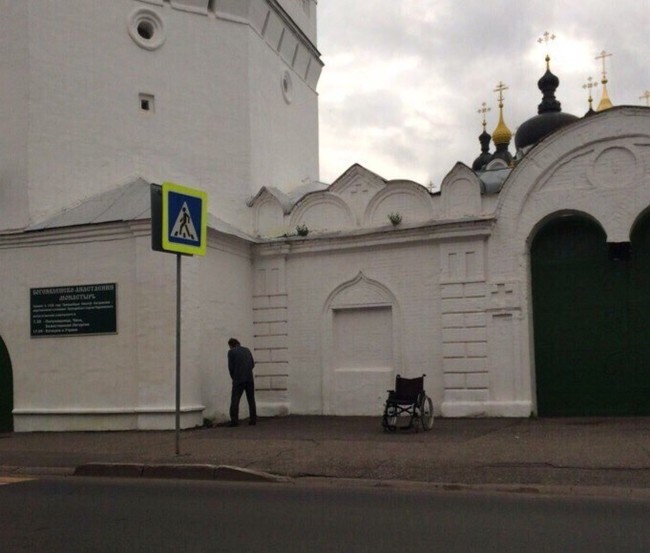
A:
{"points": [[146, 28], [147, 103], [287, 87]]}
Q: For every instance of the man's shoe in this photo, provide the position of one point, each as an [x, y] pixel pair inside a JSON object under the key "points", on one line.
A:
{"points": [[233, 423], [252, 423]]}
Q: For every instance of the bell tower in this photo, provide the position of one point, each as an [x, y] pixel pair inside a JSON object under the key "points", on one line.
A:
{"points": [[214, 94]]}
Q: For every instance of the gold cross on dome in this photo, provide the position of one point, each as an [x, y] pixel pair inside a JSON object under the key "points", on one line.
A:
{"points": [[602, 56], [645, 96], [500, 88], [483, 110], [588, 86]]}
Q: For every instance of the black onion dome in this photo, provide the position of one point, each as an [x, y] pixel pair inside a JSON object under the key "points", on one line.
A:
{"points": [[540, 126], [550, 116], [485, 156]]}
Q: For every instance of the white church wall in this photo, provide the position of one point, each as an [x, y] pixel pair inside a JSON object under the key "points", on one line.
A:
{"points": [[381, 301], [219, 289], [59, 380], [284, 110], [125, 380], [271, 333], [303, 12], [14, 119], [88, 130]]}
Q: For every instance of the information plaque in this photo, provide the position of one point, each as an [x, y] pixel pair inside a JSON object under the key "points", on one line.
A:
{"points": [[73, 310]]}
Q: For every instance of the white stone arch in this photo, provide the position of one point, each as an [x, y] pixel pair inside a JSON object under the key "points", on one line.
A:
{"points": [[322, 211], [558, 215], [461, 193], [361, 346], [567, 174], [268, 216], [569, 171], [410, 199], [639, 218]]}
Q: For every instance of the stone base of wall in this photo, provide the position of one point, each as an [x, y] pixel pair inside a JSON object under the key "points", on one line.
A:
{"points": [[97, 420], [486, 409], [272, 409]]}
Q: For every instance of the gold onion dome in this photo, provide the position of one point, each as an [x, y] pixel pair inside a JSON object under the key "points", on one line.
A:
{"points": [[502, 134], [605, 102]]}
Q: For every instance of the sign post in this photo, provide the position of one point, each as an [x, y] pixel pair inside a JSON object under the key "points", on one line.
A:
{"points": [[178, 225]]}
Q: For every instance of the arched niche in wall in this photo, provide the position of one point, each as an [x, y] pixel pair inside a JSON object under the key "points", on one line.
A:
{"points": [[461, 193], [269, 217], [322, 212], [409, 199], [361, 347]]}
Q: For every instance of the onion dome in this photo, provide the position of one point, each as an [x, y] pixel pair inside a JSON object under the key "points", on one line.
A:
{"points": [[605, 102], [501, 136], [550, 116], [484, 138]]}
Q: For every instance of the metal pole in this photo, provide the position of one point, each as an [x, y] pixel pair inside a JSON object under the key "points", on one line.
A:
{"points": [[178, 353]]}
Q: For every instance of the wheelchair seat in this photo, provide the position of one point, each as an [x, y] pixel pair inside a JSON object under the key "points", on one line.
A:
{"points": [[408, 401]]}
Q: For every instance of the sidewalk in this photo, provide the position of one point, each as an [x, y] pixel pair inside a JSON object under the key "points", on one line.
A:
{"points": [[613, 453]]}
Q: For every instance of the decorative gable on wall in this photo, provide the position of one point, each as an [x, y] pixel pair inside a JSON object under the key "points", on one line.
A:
{"points": [[358, 199]]}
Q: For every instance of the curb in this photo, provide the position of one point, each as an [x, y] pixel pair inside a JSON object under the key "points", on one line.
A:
{"points": [[36, 471], [222, 473], [226, 473]]}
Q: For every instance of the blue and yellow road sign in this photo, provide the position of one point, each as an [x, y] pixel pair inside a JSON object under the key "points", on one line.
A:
{"points": [[184, 219]]}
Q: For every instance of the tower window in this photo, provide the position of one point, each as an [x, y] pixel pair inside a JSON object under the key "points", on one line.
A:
{"points": [[146, 28], [147, 102], [287, 87]]}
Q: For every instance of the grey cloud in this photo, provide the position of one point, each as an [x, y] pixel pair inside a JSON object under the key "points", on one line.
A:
{"points": [[463, 48]]}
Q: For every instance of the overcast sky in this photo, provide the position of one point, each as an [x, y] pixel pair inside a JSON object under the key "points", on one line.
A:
{"points": [[404, 79]]}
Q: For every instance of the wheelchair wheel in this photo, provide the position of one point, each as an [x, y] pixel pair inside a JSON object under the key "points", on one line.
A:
{"points": [[426, 413], [389, 421]]}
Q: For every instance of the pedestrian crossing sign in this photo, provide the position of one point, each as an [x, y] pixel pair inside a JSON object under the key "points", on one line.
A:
{"points": [[184, 219]]}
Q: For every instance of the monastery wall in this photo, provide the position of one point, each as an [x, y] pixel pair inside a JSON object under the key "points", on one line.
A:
{"points": [[124, 380]]}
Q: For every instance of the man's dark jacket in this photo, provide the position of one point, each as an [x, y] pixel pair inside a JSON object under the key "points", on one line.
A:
{"points": [[240, 364]]}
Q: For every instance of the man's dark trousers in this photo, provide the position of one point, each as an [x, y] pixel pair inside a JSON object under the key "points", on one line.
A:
{"points": [[238, 388]]}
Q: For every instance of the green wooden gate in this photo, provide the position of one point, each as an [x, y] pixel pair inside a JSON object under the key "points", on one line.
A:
{"points": [[6, 390], [591, 311]]}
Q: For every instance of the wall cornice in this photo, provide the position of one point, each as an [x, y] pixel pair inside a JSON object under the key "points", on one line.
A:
{"points": [[449, 230]]}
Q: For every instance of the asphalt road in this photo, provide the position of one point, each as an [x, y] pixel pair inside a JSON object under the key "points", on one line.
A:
{"points": [[102, 515]]}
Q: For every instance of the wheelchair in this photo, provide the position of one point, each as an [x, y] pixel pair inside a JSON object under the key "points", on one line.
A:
{"points": [[408, 401]]}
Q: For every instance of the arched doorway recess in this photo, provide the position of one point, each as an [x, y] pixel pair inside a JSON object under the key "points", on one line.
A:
{"points": [[6, 390], [591, 314]]}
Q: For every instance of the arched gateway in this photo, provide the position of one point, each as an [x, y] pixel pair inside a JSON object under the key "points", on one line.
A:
{"points": [[591, 313], [6, 390]]}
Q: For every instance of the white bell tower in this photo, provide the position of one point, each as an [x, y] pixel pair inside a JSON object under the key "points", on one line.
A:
{"points": [[213, 94]]}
